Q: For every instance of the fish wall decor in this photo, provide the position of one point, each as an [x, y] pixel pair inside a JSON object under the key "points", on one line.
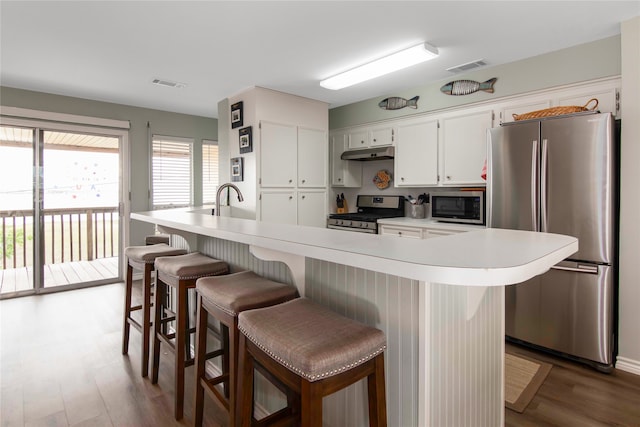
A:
{"points": [[466, 87], [396, 103]]}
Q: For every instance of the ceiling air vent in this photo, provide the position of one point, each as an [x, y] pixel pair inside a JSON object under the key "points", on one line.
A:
{"points": [[467, 66], [168, 83]]}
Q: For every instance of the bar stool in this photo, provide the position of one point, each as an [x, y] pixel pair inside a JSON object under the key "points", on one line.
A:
{"points": [[315, 352], [224, 297], [154, 239], [142, 258], [181, 273]]}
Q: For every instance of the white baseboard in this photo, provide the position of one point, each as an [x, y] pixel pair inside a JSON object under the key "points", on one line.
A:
{"points": [[628, 365]]}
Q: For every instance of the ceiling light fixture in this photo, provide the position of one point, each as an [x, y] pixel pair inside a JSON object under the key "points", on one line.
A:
{"points": [[388, 64]]}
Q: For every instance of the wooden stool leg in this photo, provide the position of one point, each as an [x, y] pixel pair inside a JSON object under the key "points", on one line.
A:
{"points": [[224, 331], [201, 356], [146, 318], [377, 399], [231, 351], [158, 306], [127, 309], [244, 394], [311, 401], [181, 326]]}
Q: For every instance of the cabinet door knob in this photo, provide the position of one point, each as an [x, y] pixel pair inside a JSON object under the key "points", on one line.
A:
{"points": [[290, 181], [362, 142], [449, 177], [290, 197], [304, 197], [402, 178], [375, 140], [399, 233], [303, 181], [339, 179]]}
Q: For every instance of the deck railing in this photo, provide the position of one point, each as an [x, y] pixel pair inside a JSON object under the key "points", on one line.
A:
{"points": [[69, 235]]}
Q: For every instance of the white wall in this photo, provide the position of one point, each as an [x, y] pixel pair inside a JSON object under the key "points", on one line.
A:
{"points": [[629, 299]]}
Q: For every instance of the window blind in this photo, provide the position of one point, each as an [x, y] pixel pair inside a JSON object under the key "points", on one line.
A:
{"points": [[171, 172], [209, 171]]}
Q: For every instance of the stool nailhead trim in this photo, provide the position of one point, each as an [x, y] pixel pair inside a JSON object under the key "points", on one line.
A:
{"points": [[215, 273], [306, 375]]}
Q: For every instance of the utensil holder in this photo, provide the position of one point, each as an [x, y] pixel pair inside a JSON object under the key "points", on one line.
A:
{"points": [[416, 211]]}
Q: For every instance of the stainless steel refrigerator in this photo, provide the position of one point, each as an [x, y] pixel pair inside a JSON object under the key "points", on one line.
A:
{"points": [[559, 175]]}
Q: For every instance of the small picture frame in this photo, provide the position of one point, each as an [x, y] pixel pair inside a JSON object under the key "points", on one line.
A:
{"points": [[236, 115], [245, 140], [237, 173]]}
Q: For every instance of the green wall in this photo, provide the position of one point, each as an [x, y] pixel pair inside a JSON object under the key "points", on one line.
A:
{"points": [[584, 62], [160, 122]]}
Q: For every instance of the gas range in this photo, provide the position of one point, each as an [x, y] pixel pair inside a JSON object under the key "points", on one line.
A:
{"points": [[370, 209]]}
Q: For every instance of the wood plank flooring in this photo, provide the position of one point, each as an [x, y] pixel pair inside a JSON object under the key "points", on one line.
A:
{"points": [[66, 273], [61, 365], [576, 395]]}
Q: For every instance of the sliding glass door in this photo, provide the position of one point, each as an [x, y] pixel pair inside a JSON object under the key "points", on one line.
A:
{"points": [[60, 225]]}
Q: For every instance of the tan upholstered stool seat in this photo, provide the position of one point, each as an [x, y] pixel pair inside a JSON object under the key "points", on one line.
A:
{"points": [[156, 238], [243, 291], [311, 340], [189, 267], [149, 253], [315, 352], [223, 297], [179, 272], [142, 258]]}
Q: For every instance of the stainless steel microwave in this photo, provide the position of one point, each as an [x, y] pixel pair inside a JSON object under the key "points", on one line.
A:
{"points": [[466, 207]]}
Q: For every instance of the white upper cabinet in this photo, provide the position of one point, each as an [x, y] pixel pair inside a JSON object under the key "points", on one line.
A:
{"points": [[464, 147], [312, 158], [344, 173], [607, 100], [377, 136], [292, 156], [358, 138], [381, 136], [278, 157], [416, 158]]}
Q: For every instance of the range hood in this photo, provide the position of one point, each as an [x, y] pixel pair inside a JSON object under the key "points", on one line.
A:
{"points": [[367, 154]]}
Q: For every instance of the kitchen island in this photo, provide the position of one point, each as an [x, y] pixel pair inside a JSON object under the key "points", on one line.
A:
{"points": [[439, 301]]}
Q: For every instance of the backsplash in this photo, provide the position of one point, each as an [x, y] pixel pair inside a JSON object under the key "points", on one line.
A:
{"points": [[369, 170]]}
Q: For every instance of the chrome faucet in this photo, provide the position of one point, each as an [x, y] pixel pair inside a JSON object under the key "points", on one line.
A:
{"points": [[218, 194]]}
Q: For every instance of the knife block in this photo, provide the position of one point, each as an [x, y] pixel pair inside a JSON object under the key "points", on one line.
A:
{"points": [[344, 208]]}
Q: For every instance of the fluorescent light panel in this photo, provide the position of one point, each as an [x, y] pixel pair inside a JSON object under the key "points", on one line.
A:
{"points": [[394, 62]]}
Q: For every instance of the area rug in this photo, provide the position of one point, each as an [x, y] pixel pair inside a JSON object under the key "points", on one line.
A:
{"points": [[523, 378]]}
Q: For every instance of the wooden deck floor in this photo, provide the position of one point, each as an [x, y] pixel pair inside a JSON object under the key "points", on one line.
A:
{"points": [[20, 279]]}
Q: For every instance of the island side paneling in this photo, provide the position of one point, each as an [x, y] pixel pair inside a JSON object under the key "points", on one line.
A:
{"points": [[470, 371]]}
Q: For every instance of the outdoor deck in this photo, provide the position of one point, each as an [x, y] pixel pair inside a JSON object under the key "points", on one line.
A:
{"points": [[20, 279]]}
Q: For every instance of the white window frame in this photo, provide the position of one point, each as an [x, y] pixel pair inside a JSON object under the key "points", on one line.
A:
{"points": [[206, 172], [170, 140]]}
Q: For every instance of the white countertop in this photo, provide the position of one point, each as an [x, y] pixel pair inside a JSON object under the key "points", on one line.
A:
{"points": [[429, 223], [486, 257]]}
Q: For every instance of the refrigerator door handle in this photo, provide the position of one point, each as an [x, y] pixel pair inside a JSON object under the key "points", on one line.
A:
{"points": [[590, 269], [543, 186], [534, 181]]}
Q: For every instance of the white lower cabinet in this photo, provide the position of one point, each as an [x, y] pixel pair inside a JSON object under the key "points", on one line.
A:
{"points": [[312, 208], [279, 207], [401, 231], [307, 207], [423, 232]]}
